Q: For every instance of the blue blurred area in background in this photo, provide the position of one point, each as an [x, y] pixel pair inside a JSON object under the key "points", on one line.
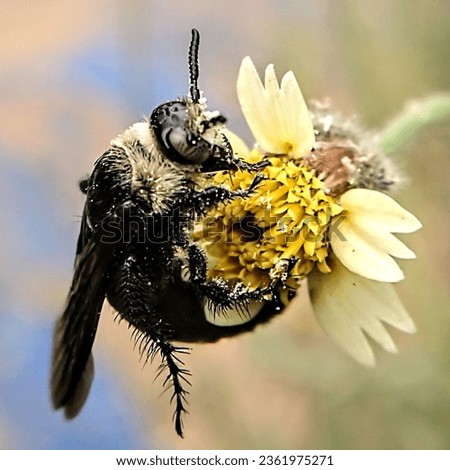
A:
{"points": [[34, 219], [25, 404]]}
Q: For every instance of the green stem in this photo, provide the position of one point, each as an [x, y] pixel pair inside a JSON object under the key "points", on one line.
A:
{"points": [[416, 116]]}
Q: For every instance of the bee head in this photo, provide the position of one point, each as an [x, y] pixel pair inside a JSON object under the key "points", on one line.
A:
{"points": [[184, 131], [187, 134]]}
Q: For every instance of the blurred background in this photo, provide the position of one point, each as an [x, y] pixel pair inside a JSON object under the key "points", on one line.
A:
{"points": [[76, 73]]}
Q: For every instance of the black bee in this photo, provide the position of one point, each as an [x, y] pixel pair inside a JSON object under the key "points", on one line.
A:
{"points": [[134, 249]]}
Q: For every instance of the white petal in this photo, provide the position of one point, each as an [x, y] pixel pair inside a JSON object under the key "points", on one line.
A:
{"points": [[378, 211], [275, 109], [271, 82], [376, 236], [277, 116], [363, 241], [297, 117], [357, 253], [349, 306], [386, 242], [257, 112], [233, 317]]}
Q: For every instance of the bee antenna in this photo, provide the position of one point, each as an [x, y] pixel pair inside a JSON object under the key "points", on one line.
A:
{"points": [[193, 66]]}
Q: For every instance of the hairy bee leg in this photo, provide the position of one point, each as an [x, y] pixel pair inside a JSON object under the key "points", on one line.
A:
{"points": [[252, 167], [170, 363], [256, 180], [226, 160], [197, 264], [239, 163], [133, 296], [213, 195], [222, 297], [217, 291], [176, 375]]}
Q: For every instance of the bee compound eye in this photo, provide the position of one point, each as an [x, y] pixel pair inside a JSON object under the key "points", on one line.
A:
{"points": [[176, 139], [189, 148]]}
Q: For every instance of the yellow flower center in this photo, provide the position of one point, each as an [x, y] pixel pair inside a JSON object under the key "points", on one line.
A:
{"points": [[287, 216]]}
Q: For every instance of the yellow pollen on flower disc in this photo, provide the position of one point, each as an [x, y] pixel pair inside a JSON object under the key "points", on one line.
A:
{"points": [[286, 216]]}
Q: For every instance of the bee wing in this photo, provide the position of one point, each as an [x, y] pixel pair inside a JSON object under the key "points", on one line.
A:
{"points": [[72, 363]]}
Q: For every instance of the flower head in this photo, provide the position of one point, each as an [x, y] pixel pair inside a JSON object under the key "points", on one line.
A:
{"points": [[323, 203], [288, 216]]}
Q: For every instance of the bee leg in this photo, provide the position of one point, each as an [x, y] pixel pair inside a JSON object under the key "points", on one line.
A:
{"points": [[239, 163], [213, 195], [197, 264], [176, 375], [132, 293], [223, 296], [243, 165], [226, 160], [234, 162], [84, 184], [151, 343], [217, 291]]}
